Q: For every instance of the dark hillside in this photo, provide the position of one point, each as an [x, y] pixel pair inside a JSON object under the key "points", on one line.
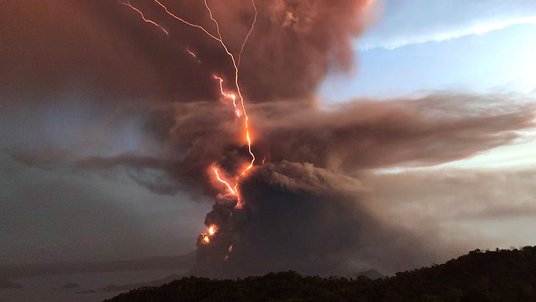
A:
{"points": [[501, 275]]}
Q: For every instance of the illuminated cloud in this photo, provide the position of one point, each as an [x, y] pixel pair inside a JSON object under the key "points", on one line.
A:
{"points": [[473, 29], [407, 22]]}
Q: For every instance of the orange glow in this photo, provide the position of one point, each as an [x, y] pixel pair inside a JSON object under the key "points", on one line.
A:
{"points": [[218, 37], [237, 84], [368, 4], [227, 95], [235, 97], [225, 182], [212, 230], [205, 237], [127, 4]]}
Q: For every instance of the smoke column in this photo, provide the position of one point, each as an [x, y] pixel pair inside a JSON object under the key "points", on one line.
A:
{"points": [[216, 246], [283, 173], [306, 204]]}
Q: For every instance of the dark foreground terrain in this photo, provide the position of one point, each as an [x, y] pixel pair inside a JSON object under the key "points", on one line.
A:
{"points": [[501, 275]]}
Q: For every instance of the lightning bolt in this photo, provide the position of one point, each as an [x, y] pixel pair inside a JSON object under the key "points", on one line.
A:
{"points": [[184, 21], [250, 31], [228, 95], [219, 38], [237, 76], [234, 61], [240, 113], [224, 182], [139, 12], [193, 55]]}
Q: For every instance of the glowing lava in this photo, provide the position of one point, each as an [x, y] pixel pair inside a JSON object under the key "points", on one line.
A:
{"points": [[212, 230], [206, 237]]}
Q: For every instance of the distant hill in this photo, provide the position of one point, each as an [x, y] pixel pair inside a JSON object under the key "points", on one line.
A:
{"points": [[371, 274], [154, 283], [501, 275]]}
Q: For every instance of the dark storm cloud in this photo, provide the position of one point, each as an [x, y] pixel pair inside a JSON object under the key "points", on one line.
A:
{"points": [[317, 221], [148, 172], [64, 216], [426, 131], [310, 215], [475, 207], [348, 138], [303, 211], [508, 193], [102, 48], [314, 221]]}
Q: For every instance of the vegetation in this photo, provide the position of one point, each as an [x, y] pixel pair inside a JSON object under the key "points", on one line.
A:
{"points": [[501, 275]]}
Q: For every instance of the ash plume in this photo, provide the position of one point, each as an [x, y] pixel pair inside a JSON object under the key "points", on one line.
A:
{"points": [[306, 208], [294, 44], [307, 219]]}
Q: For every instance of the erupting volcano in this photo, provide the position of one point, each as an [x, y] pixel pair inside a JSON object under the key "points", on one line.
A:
{"points": [[261, 212], [236, 138], [229, 199], [244, 128]]}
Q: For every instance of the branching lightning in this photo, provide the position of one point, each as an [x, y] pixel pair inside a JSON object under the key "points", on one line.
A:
{"points": [[231, 190], [236, 98], [228, 95], [234, 61], [251, 28], [139, 12], [237, 76]]}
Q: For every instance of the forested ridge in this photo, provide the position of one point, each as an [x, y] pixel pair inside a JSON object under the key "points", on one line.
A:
{"points": [[480, 276]]}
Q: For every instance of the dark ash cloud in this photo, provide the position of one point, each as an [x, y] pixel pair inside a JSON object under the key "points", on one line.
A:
{"points": [[313, 221], [306, 208], [312, 215], [351, 137], [102, 48]]}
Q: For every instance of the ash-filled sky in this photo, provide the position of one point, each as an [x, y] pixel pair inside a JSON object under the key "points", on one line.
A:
{"points": [[396, 134]]}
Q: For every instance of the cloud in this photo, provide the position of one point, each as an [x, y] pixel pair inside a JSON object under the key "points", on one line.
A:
{"points": [[310, 186], [455, 33], [426, 131], [101, 52], [484, 207], [409, 22], [61, 215], [359, 135], [51, 49], [314, 221]]}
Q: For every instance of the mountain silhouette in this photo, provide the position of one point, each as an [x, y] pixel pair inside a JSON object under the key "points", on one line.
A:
{"points": [[480, 276]]}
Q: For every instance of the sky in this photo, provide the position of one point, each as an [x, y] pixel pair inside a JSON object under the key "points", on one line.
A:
{"points": [[480, 53], [422, 46], [473, 46]]}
